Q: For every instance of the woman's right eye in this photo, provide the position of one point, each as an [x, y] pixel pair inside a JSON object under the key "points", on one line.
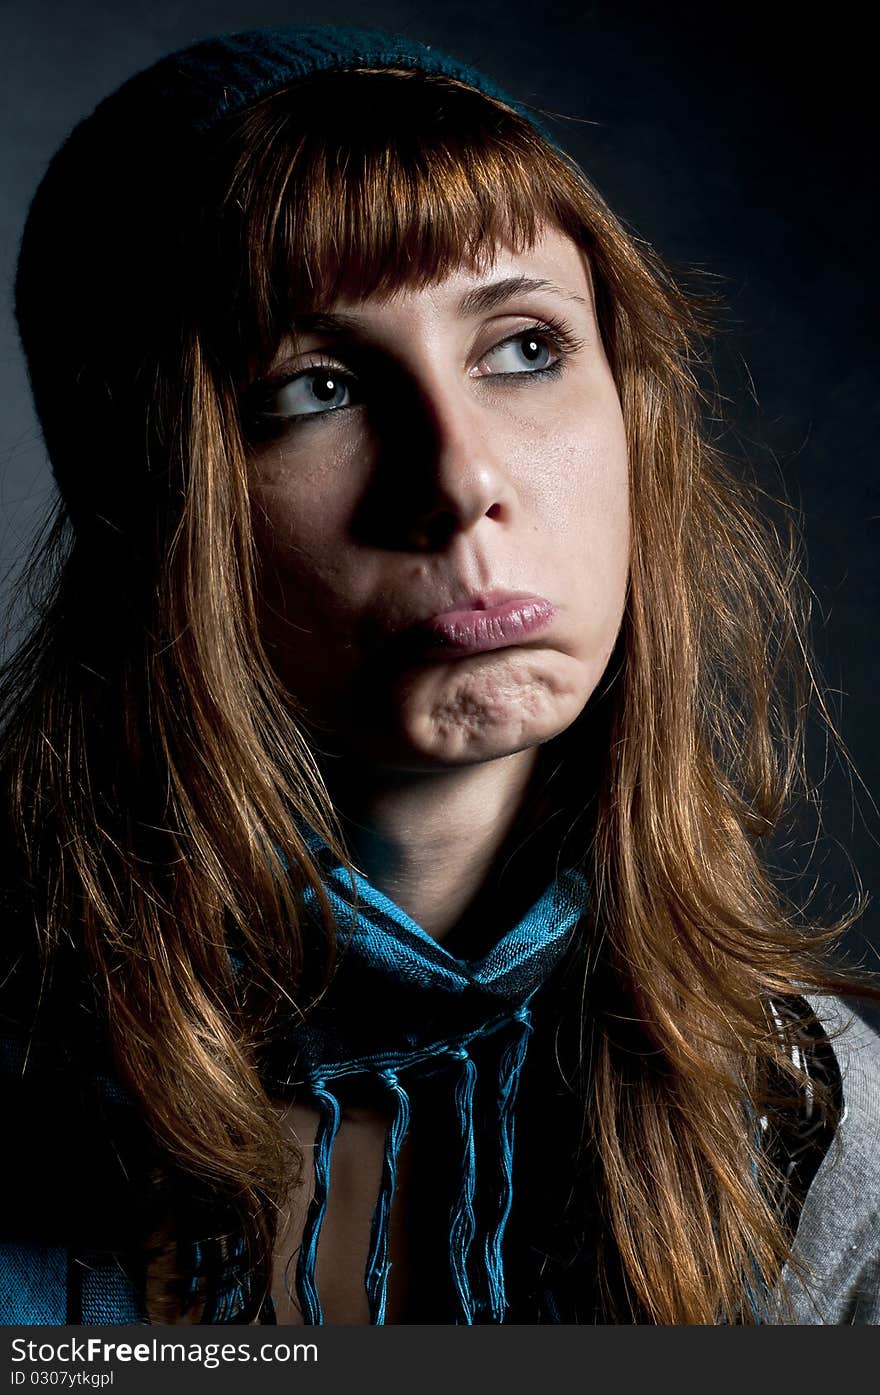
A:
{"points": [[313, 392]]}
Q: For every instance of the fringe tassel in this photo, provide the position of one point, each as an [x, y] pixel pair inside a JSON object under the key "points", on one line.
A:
{"points": [[306, 1288], [378, 1265], [509, 1072], [462, 1223]]}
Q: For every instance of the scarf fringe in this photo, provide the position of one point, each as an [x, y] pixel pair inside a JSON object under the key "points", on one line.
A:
{"points": [[462, 1216], [378, 1264], [463, 1222], [306, 1286], [509, 1072]]}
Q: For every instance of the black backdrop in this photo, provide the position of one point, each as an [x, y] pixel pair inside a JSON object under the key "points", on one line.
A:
{"points": [[737, 138]]}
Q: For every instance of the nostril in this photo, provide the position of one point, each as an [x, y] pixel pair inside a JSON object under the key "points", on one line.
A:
{"points": [[494, 511]]}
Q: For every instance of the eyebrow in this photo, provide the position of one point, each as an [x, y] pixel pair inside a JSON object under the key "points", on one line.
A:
{"points": [[483, 298], [475, 302]]}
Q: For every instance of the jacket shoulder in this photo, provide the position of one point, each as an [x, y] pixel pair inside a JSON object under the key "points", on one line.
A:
{"points": [[835, 1277]]}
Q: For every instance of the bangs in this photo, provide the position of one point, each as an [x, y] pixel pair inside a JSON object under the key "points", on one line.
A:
{"points": [[353, 184]]}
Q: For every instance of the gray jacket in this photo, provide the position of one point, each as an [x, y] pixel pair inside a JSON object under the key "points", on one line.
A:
{"points": [[838, 1235]]}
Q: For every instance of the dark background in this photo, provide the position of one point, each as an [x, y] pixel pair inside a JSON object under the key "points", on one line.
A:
{"points": [[734, 138]]}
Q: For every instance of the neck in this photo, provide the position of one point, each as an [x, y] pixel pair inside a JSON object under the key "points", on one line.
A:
{"points": [[438, 843]]}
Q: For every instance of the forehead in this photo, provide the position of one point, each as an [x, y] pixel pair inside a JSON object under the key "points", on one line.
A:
{"points": [[555, 264]]}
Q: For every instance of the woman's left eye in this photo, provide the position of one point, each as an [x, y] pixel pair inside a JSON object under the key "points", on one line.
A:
{"points": [[526, 352]]}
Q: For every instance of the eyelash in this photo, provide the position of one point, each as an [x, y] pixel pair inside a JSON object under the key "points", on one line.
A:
{"points": [[260, 422]]}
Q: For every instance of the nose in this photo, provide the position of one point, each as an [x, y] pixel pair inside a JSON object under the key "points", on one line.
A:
{"points": [[456, 468], [464, 492]]}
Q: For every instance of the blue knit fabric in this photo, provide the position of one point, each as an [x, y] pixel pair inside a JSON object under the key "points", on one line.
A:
{"points": [[190, 91], [45, 1285], [213, 78], [33, 1285]]}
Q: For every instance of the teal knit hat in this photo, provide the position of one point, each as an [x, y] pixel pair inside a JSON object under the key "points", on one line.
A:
{"points": [[221, 75], [102, 252]]}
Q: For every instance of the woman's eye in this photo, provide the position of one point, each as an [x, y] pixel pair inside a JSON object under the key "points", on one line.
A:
{"points": [[526, 352], [315, 390]]}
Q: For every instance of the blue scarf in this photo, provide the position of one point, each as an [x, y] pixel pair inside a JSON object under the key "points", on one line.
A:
{"points": [[401, 1008]]}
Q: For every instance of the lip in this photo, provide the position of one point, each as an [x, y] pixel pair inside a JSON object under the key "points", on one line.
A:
{"points": [[493, 620]]}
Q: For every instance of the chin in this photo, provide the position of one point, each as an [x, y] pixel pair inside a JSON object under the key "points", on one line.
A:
{"points": [[479, 709]]}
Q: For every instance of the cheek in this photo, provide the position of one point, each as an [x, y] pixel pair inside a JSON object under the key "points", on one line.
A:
{"points": [[582, 500], [307, 595], [304, 491], [300, 533], [576, 477]]}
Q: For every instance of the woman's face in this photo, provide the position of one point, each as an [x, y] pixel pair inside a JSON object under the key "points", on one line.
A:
{"points": [[440, 490]]}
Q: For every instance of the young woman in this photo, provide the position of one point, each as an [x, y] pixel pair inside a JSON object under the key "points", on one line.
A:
{"points": [[390, 770]]}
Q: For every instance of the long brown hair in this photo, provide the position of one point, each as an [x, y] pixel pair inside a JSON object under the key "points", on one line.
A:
{"points": [[158, 772]]}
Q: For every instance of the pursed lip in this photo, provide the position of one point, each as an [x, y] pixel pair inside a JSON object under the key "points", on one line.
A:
{"points": [[486, 621]]}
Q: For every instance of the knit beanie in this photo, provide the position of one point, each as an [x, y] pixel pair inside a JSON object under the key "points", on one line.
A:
{"points": [[114, 199]]}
